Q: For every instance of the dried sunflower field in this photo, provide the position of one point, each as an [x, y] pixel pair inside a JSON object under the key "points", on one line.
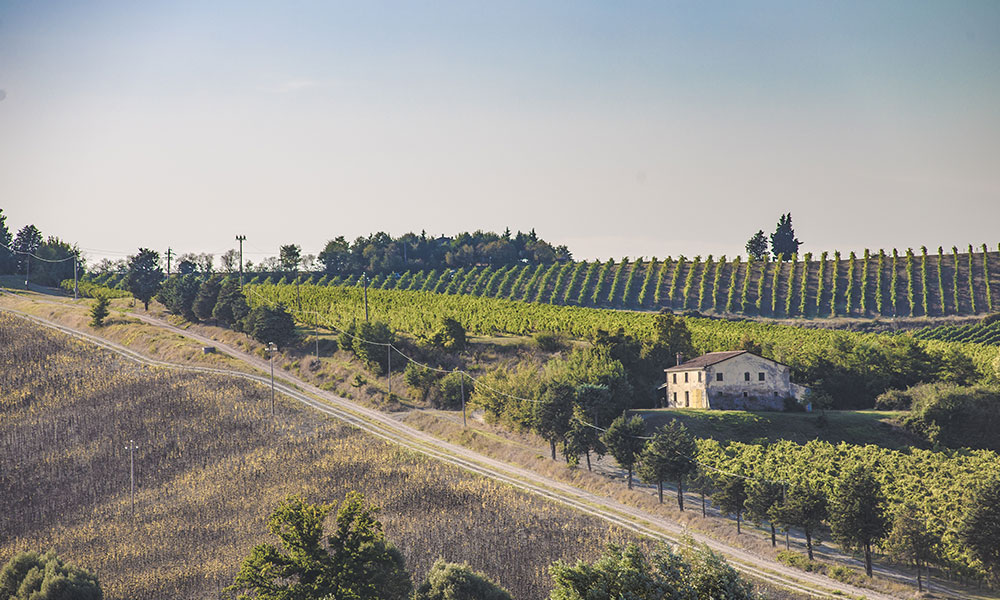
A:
{"points": [[210, 465]]}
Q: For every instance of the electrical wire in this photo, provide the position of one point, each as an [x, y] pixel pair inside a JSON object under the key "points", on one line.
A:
{"points": [[35, 256]]}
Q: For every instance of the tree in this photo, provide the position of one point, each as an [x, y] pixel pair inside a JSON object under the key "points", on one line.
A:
{"points": [[980, 529], [757, 246], [27, 241], [231, 305], [450, 335], [554, 413], [266, 325], [144, 275], [450, 581], [356, 562], [336, 256], [207, 297], [669, 456], [8, 262], [420, 378], [178, 293], [34, 576], [783, 242], [290, 255], [910, 541], [857, 512], [763, 498], [732, 498], [99, 311], [664, 575], [230, 261], [450, 389], [623, 440], [374, 355], [804, 507], [582, 437]]}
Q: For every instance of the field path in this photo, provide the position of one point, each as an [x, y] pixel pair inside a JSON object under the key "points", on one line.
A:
{"points": [[386, 427]]}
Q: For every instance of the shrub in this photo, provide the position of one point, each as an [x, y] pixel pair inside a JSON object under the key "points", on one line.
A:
{"points": [[550, 342], [450, 390]]}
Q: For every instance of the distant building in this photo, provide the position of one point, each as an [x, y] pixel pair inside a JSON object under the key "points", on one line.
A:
{"points": [[735, 380]]}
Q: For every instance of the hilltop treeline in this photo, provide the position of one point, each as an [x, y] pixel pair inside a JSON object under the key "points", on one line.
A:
{"points": [[383, 253]]}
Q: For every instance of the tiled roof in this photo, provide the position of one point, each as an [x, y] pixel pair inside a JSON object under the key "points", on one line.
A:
{"points": [[706, 359]]}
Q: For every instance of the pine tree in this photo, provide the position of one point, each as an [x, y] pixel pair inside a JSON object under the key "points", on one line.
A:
{"points": [[99, 311], [757, 246], [783, 241]]}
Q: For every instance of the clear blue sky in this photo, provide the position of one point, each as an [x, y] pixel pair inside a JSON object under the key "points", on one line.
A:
{"points": [[643, 128]]}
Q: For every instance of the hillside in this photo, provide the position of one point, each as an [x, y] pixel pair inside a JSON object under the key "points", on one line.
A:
{"points": [[70, 410]]}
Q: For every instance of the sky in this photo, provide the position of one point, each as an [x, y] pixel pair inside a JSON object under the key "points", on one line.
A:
{"points": [[616, 128]]}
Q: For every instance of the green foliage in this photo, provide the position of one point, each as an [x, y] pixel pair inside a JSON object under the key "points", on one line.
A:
{"points": [[923, 281], [8, 262], [731, 294], [99, 311], [804, 507], [703, 281], [775, 273], [910, 541], [857, 512], [178, 294], [623, 442], [910, 297], [583, 438], [940, 280], [628, 296], [230, 305], [669, 456], [550, 342], [759, 302], [955, 416], [554, 412], [863, 303], [266, 324], [602, 277], [954, 279], [574, 277], [674, 278], [880, 283], [980, 528], [732, 497], [358, 338], [588, 278], [834, 283], [356, 561], [790, 292], [420, 378], [653, 268], [783, 240], [660, 276], [762, 501], [849, 292], [821, 282], [208, 295], [986, 279], [144, 275], [451, 389], [450, 581], [449, 336], [756, 246], [664, 575], [688, 281], [616, 281], [34, 576]]}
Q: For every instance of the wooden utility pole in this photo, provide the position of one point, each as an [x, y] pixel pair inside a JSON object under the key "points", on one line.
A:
{"points": [[170, 253], [240, 239]]}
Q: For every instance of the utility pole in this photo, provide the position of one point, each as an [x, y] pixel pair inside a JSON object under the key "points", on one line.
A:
{"points": [[131, 460], [240, 239], [365, 276], [76, 288], [388, 353], [27, 269], [170, 254], [461, 380], [271, 348]]}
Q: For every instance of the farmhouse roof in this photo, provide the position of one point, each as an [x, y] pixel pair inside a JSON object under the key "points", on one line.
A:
{"points": [[706, 359]]}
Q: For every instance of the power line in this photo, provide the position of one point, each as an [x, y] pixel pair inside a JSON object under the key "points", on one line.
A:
{"points": [[35, 256]]}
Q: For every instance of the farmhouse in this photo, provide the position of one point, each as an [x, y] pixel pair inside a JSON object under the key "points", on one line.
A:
{"points": [[735, 380]]}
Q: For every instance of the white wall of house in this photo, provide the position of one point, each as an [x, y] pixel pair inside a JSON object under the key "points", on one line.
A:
{"points": [[742, 382]]}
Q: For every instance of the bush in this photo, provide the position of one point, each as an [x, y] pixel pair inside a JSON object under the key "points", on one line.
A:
{"points": [[33, 576], [266, 324], [792, 405], [955, 416], [449, 336], [550, 342], [894, 400], [799, 561], [449, 396]]}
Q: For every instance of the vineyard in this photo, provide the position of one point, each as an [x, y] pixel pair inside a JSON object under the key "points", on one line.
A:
{"points": [[874, 284], [420, 313], [210, 466], [986, 332], [937, 483]]}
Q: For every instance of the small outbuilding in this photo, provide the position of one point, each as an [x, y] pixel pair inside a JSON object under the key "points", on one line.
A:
{"points": [[734, 380]]}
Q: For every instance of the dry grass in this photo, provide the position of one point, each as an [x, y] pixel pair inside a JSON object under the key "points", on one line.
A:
{"points": [[209, 469]]}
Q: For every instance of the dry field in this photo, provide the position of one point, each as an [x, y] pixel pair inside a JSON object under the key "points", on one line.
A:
{"points": [[211, 464]]}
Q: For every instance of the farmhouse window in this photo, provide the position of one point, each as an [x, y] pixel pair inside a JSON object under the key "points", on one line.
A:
{"points": [[685, 378], [744, 394], [675, 398], [687, 399], [746, 376], [775, 393], [718, 376], [699, 376], [760, 377], [675, 377]]}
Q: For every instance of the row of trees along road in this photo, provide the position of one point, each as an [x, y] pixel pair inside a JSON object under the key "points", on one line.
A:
{"points": [[855, 510], [16, 251]]}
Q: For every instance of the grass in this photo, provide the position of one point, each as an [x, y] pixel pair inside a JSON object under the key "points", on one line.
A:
{"points": [[853, 427]]}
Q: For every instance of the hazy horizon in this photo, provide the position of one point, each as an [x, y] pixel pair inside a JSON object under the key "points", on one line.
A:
{"points": [[637, 130]]}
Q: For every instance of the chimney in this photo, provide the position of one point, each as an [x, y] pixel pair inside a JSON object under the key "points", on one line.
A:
{"points": [[680, 358]]}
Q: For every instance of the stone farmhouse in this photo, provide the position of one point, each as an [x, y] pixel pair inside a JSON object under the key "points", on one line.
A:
{"points": [[735, 380]]}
